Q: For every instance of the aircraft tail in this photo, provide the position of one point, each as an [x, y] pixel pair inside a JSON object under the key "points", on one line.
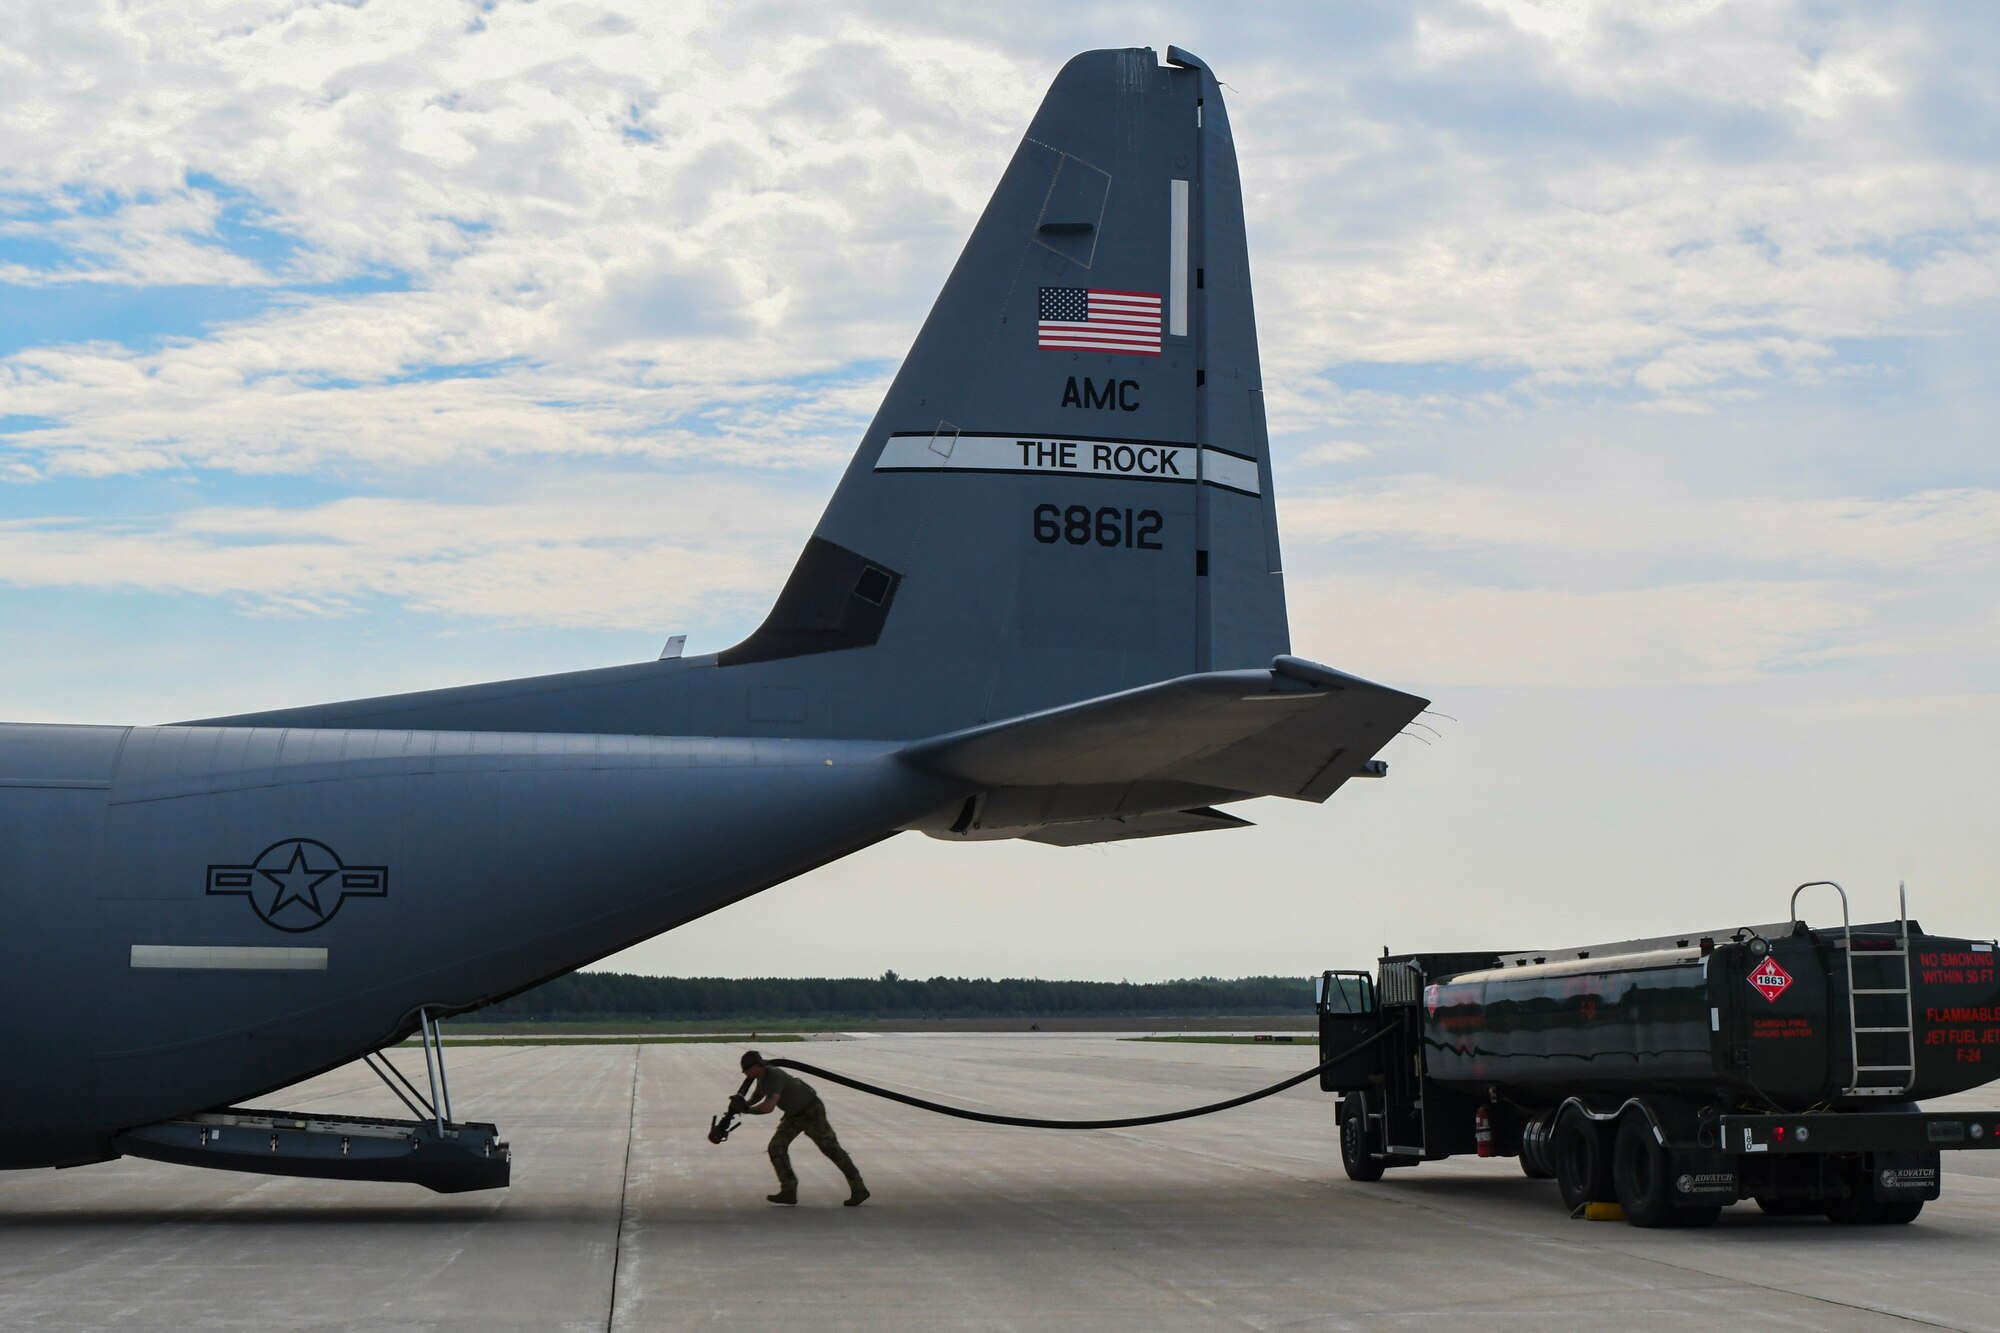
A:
{"points": [[1066, 494], [1067, 491]]}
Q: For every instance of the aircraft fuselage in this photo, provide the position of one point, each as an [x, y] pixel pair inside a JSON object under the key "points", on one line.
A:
{"points": [[217, 912]]}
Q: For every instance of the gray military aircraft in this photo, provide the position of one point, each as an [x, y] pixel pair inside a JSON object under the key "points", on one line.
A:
{"points": [[1045, 602]]}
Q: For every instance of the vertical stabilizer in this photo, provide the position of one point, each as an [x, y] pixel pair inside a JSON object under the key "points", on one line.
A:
{"points": [[1067, 490]]}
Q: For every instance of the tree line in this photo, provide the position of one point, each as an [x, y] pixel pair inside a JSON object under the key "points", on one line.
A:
{"points": [[598, 995]]}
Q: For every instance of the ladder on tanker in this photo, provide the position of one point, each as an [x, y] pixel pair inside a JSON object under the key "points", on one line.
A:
{"points": [[1885, 1077]]}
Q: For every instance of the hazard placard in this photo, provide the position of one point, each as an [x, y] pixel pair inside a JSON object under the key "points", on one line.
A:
{"points": [[1770, 979]]}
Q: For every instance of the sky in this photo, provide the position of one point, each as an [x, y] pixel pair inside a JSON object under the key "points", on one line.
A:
{"points": [[1629, 369]]}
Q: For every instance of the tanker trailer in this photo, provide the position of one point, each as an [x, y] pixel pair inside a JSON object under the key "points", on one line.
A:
{"points": [[1675, 1076]]}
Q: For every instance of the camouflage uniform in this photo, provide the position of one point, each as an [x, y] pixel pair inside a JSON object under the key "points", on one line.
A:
{"points": [[804, 1113]]}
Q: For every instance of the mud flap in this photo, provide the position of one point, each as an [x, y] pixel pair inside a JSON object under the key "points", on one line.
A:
{"points": [[1702, 1178], [1900, 1177]]}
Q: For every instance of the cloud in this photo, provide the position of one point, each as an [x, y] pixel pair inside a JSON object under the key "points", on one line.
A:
{"points": [[612, 202], [1412, 630], [642, 554], [622, 237], [1601, 534], [1675, 206], [1671, 204], [1604, 584]]}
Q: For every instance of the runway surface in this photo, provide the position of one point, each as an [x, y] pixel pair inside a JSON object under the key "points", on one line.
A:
{"points": [[623, 1217]]}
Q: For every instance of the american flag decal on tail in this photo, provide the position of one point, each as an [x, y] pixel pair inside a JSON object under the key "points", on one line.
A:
{"points": [[1089, 319]]}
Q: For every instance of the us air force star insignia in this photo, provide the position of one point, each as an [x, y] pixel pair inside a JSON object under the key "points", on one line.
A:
{"points": [[298, 884]]}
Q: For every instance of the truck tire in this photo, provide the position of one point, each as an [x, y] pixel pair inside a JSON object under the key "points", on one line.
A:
{"points": [[1639, 1175], [1355, 1158], [1534, 1157], [1644, 1184], [1860, 1207], [1583, 1167]]}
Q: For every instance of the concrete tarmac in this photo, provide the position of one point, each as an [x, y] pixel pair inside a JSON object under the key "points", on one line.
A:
{"points": [[623, 1217]]}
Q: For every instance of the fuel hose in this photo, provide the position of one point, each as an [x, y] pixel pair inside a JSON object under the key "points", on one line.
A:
{"points": [[1127, 1122]]}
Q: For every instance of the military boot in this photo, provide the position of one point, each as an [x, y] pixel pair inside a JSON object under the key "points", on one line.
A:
{"points": [[786, 1194], [856, 1191]]}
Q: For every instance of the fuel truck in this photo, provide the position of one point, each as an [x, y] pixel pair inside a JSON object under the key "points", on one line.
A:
{"points": [[1674, 1077]]}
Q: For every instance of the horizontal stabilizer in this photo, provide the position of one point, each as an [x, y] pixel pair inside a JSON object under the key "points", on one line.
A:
{"points": [[1084, 832], [1297, 730]]}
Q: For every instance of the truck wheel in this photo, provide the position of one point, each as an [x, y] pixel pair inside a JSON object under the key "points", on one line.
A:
{"points": [[1582, 1173], [1355, 1159], [1534, 1157], [1639, 1176]]}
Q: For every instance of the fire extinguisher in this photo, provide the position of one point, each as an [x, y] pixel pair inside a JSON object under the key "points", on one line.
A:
{"points": [[1482, 1130]]}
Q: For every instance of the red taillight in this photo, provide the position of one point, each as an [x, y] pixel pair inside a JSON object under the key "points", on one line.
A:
{"points": [[1778, 1134]]}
